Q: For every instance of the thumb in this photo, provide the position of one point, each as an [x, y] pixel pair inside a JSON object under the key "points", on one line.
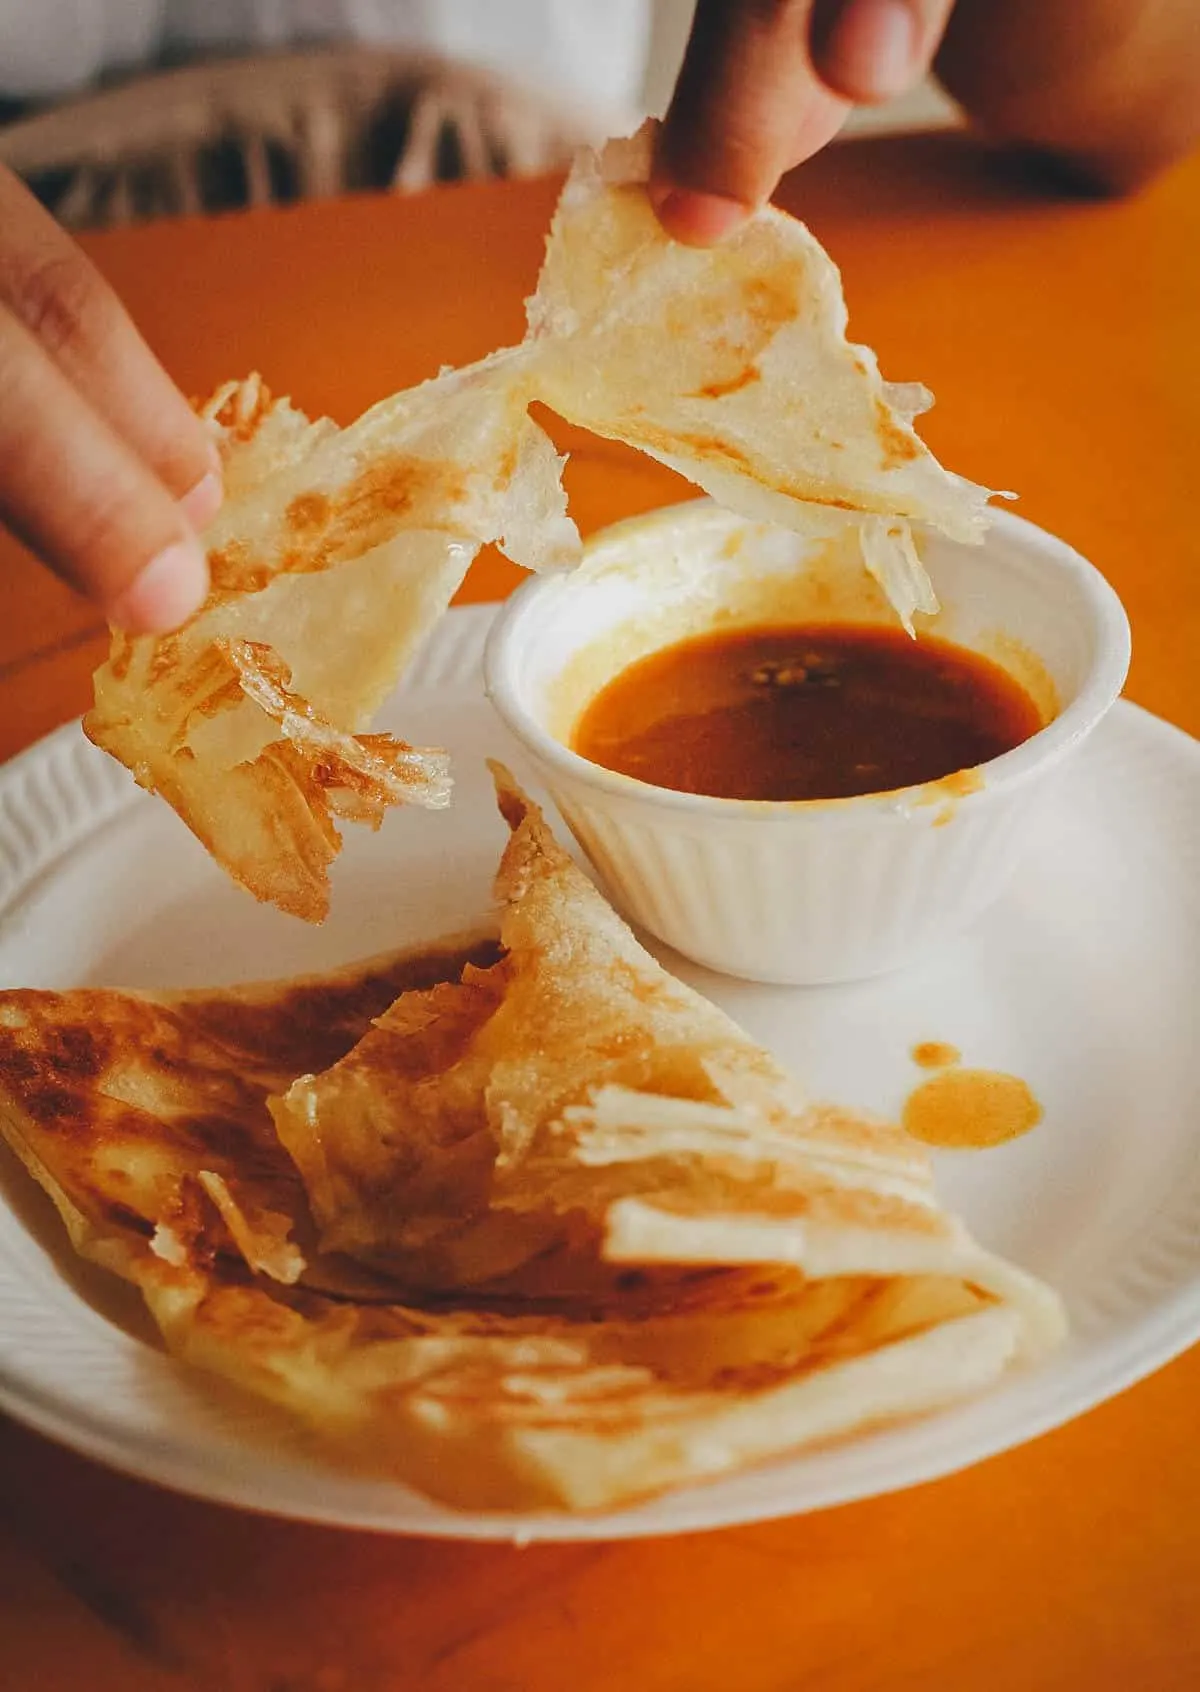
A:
{"points": [[748, 105], [764, 85]]}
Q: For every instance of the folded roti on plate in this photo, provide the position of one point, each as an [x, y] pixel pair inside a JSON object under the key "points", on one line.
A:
{"points": [[337, 550], [575, 1104], [604, 1249], [125, 1106]]}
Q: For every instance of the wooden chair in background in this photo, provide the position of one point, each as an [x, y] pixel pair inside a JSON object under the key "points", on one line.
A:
{"points": [[279, 127]]}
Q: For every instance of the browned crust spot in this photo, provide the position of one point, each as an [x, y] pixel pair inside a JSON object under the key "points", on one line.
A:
{"points": [[900, 445], [328, 529], [244, 410], [718, 390]]}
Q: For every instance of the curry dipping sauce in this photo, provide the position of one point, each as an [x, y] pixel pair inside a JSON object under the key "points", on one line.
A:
{"points": [[820, 711]]}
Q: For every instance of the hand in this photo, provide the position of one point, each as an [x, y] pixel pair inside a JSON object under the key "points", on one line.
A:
{"points": [[766, 83], [1108, 90], [105, 471]]}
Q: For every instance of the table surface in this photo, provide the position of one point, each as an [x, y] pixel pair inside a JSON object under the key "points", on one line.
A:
{"points": [[1062, 339]]}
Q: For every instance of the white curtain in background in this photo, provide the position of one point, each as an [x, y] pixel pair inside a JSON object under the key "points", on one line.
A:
{"points": [[55, 46], [592, 50]]}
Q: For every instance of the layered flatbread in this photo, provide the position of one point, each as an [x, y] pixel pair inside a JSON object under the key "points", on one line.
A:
{"points": [[118, 1102], [576, 1103], [731, 365], [334, 553], [604, 1248], [336, 550]]}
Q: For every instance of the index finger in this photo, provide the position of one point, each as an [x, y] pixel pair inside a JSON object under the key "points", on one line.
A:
{"points": [[50, 286]]}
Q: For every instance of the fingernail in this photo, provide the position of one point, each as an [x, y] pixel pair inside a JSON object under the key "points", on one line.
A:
{"points": [[201, 503], [874, 48], [698, 219], [165, 593]]}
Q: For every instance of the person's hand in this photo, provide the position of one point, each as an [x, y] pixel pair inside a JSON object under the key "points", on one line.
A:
{"points": [[105, 471], [765, 84], [1108, 91]]}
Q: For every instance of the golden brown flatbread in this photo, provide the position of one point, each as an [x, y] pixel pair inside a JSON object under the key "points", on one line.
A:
{"points": [[337, 550], [575, 1104], [604, 1249], [118, 1101], [334, 553], [731, 365]]}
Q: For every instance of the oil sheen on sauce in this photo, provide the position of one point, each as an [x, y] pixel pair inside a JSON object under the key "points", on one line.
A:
{"points": [[819, 711]]}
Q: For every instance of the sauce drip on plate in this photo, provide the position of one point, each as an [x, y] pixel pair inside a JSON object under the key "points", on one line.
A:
{"points": [[822, 711], [935, 1054], [968, 1109]]}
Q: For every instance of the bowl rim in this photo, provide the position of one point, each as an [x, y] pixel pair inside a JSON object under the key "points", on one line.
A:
{"points": [[1101, 686]]}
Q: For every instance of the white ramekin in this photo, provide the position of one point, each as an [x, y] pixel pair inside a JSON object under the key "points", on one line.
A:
{"points": [[816, 891]]}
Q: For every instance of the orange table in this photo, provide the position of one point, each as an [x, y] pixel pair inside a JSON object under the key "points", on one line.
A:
{"points": [[1063, 341]]}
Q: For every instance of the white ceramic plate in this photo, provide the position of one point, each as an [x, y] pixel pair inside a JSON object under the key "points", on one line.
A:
{"points": [[1084, 980]]}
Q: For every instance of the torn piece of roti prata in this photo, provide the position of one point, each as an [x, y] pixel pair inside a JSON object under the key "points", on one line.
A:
{"points": [[334, 553], [337, 549], [731, 365]]}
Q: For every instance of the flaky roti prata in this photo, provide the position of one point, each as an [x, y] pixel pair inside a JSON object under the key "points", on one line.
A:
{"points": [[594, 1257], [336, 550], [731, 365]]}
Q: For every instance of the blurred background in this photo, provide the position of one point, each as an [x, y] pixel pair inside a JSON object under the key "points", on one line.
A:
{"points": [[118, 111]]}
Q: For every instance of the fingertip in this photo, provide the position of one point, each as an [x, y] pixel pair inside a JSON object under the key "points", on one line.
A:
{"points": [[695, 218], [165, 592]]}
